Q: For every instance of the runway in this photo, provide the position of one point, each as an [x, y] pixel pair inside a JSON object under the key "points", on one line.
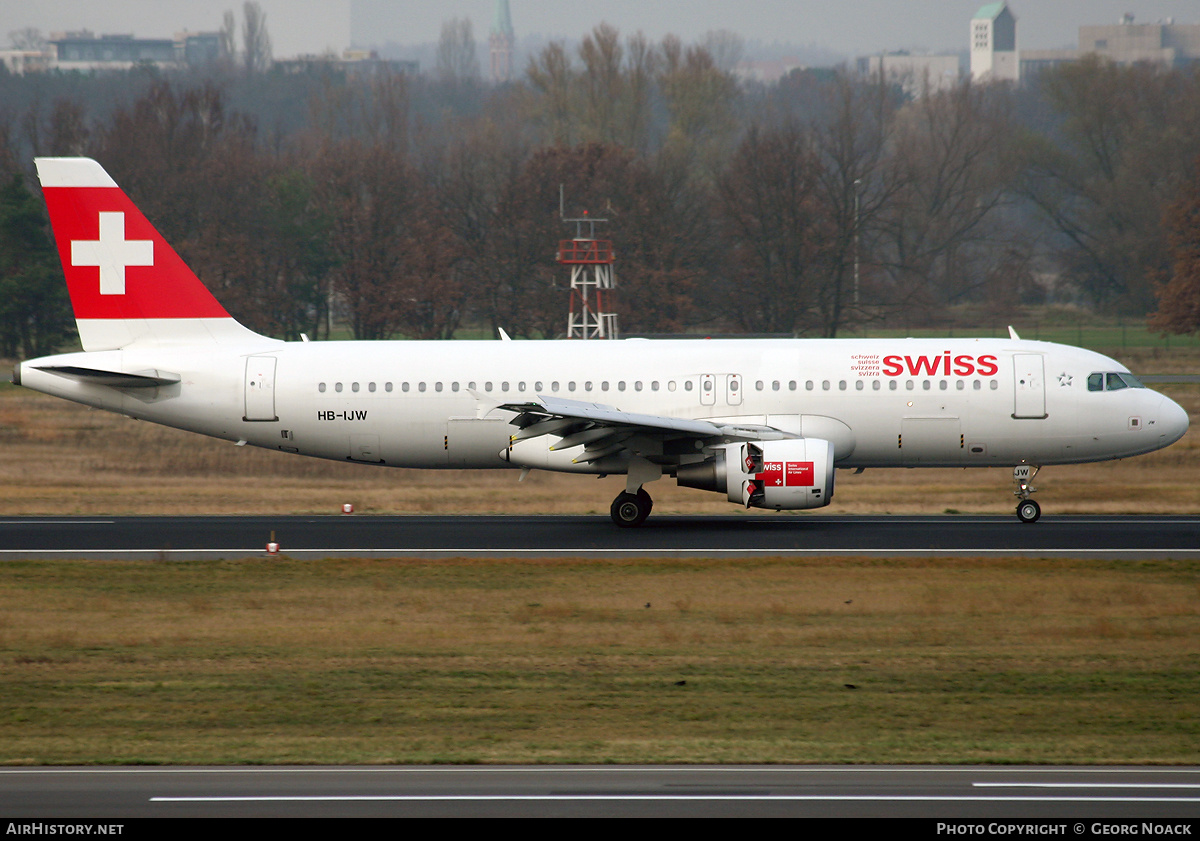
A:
{"points": [[301, 537], [1171, 796]]}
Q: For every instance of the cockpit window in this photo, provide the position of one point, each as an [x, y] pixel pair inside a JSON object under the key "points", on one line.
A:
{"points": [[1113, 381]]}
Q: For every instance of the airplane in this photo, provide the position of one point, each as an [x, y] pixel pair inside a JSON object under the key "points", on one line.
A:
{"points": [[764, 422]]}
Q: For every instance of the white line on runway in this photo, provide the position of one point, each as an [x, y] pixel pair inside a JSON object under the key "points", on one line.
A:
{"points": [[417, 798], [1085, 785]]}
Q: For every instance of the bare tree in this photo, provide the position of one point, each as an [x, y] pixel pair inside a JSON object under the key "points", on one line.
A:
{"points": [[228, 38], [1179, 297], [28, 38], [456, 57], [777, 230], [256, 43], [950, 163], [552, 78]]}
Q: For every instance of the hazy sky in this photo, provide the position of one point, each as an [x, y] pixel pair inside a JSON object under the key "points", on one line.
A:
{"points": [[849, 27]]}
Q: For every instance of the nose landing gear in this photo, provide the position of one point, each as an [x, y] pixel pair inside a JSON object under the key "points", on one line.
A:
{"points": [[1028, 511]]}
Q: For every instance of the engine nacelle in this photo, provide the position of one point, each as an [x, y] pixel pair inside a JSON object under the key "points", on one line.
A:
{"points": [[790, 474]]}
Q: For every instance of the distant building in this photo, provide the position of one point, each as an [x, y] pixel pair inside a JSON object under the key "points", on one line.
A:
{"points": [[501, 43], [20, 62], [916, 74], [1167, 43], [767, 72], [352, 62], [82, 50], [994, 44]]}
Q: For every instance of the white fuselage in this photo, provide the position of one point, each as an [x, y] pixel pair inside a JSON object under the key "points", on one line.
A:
{"points": [[882, 402]]}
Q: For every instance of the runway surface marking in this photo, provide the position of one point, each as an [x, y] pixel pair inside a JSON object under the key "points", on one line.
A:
{"points": [[436, 798]]}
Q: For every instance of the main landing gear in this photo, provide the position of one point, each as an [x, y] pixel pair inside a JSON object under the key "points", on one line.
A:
{"points": [[1028, 511], [629, 510]]}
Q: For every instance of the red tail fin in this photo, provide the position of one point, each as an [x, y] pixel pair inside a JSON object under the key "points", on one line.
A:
{"points": [[126, 282]]}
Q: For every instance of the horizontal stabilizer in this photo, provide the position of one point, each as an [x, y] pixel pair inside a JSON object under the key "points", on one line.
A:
{"points": [[149, 378]]}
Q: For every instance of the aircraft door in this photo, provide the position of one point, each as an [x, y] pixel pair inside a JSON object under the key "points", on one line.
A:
{"points": [[1030, 386], [260, 389], [708, 390]]}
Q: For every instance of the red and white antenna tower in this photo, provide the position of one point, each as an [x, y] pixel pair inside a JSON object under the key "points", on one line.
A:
{"points": [[592, 281]]}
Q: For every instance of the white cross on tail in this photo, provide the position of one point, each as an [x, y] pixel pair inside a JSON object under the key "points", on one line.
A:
{"points": [[112, 253]]}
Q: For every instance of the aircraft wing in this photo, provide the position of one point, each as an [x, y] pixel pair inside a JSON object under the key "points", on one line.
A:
{"points": [[603, 429]]}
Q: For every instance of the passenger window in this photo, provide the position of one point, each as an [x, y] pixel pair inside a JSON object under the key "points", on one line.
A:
{"points": [[371, 387], [387, 387], [321, 388], [421, 386]]}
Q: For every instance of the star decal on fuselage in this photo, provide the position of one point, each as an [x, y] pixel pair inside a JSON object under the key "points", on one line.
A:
{"points": [[1064, 379]]}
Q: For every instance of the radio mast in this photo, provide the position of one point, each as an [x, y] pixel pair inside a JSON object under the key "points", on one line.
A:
{"points": [[592, 281]]}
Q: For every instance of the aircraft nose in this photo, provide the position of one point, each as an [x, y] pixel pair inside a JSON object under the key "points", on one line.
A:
{"points": [[1172, 421]]}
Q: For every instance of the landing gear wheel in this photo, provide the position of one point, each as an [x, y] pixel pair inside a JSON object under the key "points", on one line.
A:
{"points": [[630, 510], [1028, 511]]}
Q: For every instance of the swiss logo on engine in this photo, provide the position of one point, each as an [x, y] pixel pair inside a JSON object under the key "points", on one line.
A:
{"points": [[792, 474]]}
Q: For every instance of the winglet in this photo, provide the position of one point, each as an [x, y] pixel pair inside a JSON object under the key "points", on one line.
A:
{"points": [[1012, 334]]}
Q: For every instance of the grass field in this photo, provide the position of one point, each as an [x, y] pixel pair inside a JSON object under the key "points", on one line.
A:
{"points": [[471, 661]]}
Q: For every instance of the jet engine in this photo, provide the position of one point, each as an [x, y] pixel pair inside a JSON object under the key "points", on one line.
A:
{"points": [[789, 474]]}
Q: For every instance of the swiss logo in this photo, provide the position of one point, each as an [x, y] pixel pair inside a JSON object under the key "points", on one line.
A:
{"points": [[791, 474], [112, 253]]}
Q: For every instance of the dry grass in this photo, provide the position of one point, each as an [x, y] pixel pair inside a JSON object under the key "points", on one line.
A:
{"points": [[59, 458], [545, 661]]}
